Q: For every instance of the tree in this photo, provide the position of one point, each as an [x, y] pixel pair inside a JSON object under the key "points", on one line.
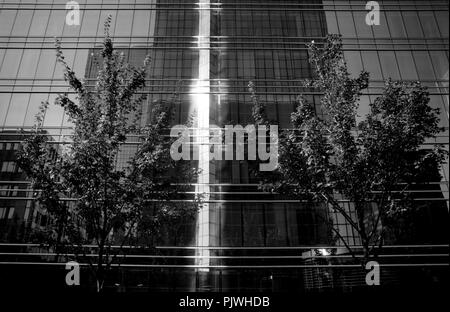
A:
{"points": [[111, 204], [371, 165]]}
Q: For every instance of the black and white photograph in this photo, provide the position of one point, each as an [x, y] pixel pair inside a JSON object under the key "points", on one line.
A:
{"points": [[224, 155]]}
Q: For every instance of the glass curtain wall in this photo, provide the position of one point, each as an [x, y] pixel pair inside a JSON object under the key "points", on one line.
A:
{"points": [[204, 53]]}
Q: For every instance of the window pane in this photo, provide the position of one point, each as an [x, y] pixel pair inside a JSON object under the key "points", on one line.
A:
{"points": [[331, 22], [231, 224], [253, 225], [382, 30], [89, 23], [4, 103], [22, 23], [11, 213], [353, 59], [429, 25], [424, 67], [46, 64], [6, 21], [440, 63], [276, 234], [28, 64], [17, 107], [371, 64], [56, 23], [363, 108], [124, 23], [2, 54], [362, 29], [79, 66], [69, 55], [54, 113], [436, 101], [10, 63], [40, 20], [389, 65], [33, 108], [346, 26], [442, 19], [412, 24], [395, 23], [407, 66]]}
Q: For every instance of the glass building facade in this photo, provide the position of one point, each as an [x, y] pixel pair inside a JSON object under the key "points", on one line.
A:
{"points": [[207, 51]]}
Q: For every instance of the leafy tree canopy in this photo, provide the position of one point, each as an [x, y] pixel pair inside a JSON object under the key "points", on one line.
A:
{"points": [[335, 160]]}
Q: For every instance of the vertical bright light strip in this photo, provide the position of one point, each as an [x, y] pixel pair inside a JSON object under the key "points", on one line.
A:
{"points": [[201, 103]]}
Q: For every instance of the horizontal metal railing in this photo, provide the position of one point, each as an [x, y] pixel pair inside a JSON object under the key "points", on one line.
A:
{"points": [[233, 248], [212, 3], [394, 256]]}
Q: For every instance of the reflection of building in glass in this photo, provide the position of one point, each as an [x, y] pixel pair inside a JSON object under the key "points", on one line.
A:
{"points": [[207, 51], [19, 214], [14, 209]]}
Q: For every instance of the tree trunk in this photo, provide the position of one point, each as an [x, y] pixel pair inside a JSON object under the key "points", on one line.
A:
{"points": [[362, 232], [100, 283], [100, 271]]}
